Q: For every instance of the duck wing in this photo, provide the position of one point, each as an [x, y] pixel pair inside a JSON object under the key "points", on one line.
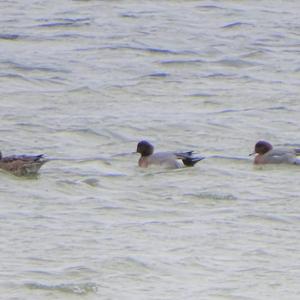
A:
{"points": [[188, 158], [281, 155], [25, 158]]}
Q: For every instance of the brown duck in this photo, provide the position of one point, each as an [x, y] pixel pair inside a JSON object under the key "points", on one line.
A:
{"points": [[22, 165]]}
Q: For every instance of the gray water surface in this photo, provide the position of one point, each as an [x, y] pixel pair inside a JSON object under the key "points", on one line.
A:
{"points": [[84, 81]]}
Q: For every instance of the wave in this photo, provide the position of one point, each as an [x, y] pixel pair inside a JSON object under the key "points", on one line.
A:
{"points": [[158, 75], [7, 36], [183, 61], [212, 196], [26, 67], [237, 24], [144, 49], [67, 288], [64, 22]]}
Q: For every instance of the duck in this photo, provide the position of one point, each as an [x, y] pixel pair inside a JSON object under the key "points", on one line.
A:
{"points": [[22, 165], [265, 153], [172, 160]]}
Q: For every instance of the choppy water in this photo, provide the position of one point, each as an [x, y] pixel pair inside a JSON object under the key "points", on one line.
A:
{"points": [[88, 79]]}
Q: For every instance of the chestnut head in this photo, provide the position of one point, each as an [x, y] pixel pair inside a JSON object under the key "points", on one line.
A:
{"points": [[262, 147], [144, 148]]}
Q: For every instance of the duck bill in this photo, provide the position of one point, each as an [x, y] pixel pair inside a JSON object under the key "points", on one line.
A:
{"points": [[251, 154]]}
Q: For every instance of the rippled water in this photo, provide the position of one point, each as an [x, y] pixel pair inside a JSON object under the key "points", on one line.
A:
{"points": [[84, 81]]}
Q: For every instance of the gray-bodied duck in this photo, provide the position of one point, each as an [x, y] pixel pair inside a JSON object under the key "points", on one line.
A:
{"points": [[265, 153], [168, 159], [22, 165]]}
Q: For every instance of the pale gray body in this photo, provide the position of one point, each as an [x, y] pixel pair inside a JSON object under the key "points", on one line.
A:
{"points": [[172, 160], [278, 156]]}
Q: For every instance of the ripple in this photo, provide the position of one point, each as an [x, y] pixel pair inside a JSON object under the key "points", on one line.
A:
{"points": [[82, 89], [184, 61], [66, 182], [113, 174], [277, 108], [236, 63], [127, 263], [7, 36], [32, 67], [268, 218], [220, 75], [237, 24], [64, 22], [129, 15], [14, 76], [83, 132], [204, 95], [210, 7], [74, 20], [158, 75], [145, 49], [91, 181], [211, 196], [67, 288]]}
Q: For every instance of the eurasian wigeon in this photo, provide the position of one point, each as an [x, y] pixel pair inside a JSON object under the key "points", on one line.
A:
{"points": [[266, 154], [22, 165], [168, 159]]}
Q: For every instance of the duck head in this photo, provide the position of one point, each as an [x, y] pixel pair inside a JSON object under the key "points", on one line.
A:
{"points": [[144, 148], [262, 147]]}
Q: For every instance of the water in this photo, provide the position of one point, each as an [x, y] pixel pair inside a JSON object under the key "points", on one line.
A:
{"points": [[84, 81]]}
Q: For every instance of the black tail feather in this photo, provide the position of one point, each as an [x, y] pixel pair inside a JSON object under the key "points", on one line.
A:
{"points": [[191, 161]]}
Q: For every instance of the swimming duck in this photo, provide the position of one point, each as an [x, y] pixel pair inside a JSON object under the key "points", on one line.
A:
{"points": [[168, 159], [22, 165], [266, 154]]}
